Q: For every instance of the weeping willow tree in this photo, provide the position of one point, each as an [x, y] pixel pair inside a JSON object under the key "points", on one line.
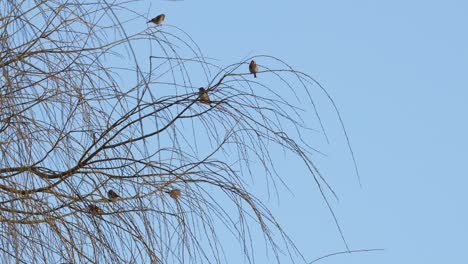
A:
{"points": [[112, 153]]}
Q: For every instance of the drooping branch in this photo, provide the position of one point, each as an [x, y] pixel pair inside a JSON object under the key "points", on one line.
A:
{"points": [[92, 104]]}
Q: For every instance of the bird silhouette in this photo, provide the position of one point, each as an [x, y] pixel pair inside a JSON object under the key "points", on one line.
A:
{"points": [[203, 95], [112, 195], [158, 20], [94, 209], [253, 68]]}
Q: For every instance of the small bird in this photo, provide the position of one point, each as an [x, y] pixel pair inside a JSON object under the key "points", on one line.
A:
{"points": [[203, 94], [112, 195], [158, 20], [94, 210], [253, 68], [174, 193]]}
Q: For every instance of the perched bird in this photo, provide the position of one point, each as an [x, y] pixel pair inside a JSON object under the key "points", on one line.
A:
{"points": [[94, 210], [174, 193], [158, 20], [203, 94], [253, 68], [112, 195]]}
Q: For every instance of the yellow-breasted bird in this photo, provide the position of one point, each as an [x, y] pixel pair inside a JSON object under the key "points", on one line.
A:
{"points": [[158, 20], [94, 209], [112, 195], [203, 94], [253, 68]]}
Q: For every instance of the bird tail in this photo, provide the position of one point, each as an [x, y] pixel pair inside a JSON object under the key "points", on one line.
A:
{"points": [[255, 75]]}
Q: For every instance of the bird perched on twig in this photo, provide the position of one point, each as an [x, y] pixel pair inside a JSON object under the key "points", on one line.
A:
{"points": [[253, 68], [112, 195], [203, 95], [158, 20], [94, 209], [174, 193]]}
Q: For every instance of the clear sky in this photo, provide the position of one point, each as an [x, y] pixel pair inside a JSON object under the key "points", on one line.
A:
{"points": [[398, 71]]}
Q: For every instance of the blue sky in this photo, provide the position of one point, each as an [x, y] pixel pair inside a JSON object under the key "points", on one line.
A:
{"points": [[398, 72]]}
